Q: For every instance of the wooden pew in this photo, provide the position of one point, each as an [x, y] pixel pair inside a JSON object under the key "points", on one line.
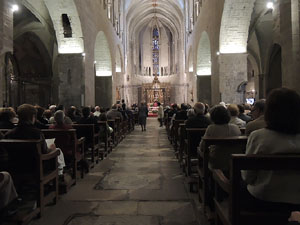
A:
{"points": [[175, 135], [73, 150], [229, 211], [30, 168], [168, 127], [193, 138], [235, 144], [182, 138], [105, 139], [113, 125], [118, 129], [91, 144]]}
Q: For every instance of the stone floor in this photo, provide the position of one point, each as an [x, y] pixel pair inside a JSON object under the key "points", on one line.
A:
{"points": [[140, 183]]}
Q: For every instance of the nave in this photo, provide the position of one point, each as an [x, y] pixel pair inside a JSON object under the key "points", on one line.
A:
{"points": [[139, 183]]}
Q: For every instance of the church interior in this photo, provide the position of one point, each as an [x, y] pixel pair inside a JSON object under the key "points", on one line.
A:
{"points": [[99, 52]]}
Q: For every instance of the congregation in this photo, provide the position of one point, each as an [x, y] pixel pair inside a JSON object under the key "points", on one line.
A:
{"points": [[261, 125]]}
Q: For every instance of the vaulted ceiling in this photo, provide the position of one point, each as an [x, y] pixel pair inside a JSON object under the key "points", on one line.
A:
{"points": [[140, 13]]}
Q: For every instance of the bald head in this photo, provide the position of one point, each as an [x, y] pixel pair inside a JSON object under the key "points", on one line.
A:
{"points": [[199, 108]]}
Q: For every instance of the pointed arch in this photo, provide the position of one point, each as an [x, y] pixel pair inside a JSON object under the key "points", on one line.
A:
{"points": [[204, 56], [103, 65], [67, 25], [235, 26]]}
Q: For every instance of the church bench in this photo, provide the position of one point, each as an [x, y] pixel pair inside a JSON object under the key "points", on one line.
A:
{"points": [[193, 138], [4, 131], [105, 139], [229, 211], [30, 170], [73, 150], [230, 145], [174, 134], [113, 125], [182, 138], [118, 129], [168, 127], [91, 143]]}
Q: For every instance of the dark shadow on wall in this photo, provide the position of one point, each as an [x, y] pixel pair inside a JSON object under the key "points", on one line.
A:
{"points": [[103, 91], [34, 70], [204, 89]]}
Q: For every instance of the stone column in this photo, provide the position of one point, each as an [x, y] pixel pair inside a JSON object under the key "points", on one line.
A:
{"points": [[70, 79], [289, 40], [233, 71], [6, 41]]}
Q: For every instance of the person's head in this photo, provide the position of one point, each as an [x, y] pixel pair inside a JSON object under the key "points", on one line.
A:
{"points": [[47, 114], [219, 115], [282, 111], [114, 106], [258, 108], [123, 101], [158, 103], [60, 107], [233, 110], [40, 111], [52, 108], [97, 108], [59, 116], [241, 108], [86, 112], [199, 108], [174, 106], [27, 113], [223, 104], [183, 107], [6, 114], [71, 112]]}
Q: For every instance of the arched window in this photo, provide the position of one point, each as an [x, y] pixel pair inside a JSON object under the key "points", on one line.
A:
{"points": [[155, 53]]}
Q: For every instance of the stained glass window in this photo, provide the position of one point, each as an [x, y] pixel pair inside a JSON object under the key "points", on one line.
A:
{"points": [[155, 51]]}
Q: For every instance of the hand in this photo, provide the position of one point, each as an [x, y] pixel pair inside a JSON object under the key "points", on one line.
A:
{"points": [[295, 216], [52, 147]]}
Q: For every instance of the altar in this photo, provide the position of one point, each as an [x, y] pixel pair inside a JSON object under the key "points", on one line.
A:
{"points": [[155, 92]]}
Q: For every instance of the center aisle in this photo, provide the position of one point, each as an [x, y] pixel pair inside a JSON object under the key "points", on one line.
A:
{"points": [[140, 183]]}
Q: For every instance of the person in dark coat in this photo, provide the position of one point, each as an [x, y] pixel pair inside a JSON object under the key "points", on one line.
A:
{"points": [[6, 117], [143, 114]]}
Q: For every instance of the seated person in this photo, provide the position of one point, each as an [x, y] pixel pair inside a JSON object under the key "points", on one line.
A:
{"points": [[114, 113], [220, 128], [242, 114], [71, 113], [199, 120], [103, 117], [40, 121], [6, 118], [88, 118], [281, 136], [97, 111], [258, 116], [60, 122], [234, 112], [40, 115], [47, 114], [7, 190], [67, 119], [182, 113], [26, 130]]}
